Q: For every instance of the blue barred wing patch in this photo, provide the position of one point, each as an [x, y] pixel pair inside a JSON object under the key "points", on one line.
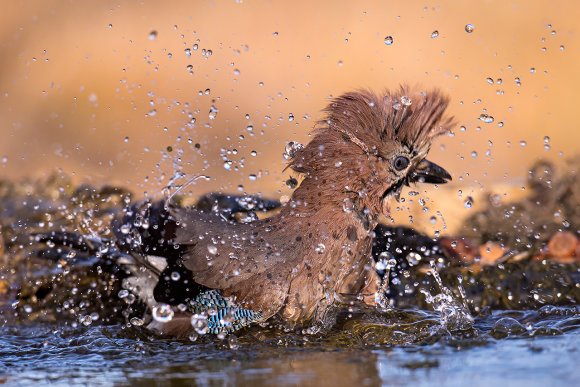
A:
{"points": [[223, 314]]}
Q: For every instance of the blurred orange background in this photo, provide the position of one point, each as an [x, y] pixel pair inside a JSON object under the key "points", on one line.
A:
{"points": [[102, 90]]}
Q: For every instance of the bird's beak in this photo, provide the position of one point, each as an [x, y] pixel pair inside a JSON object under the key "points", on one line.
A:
{"points": [[428, 172]]}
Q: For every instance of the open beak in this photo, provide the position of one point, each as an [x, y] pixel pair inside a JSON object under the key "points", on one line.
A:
{"points": [[428, 172]]}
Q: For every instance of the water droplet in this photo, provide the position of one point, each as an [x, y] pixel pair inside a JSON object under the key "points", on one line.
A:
{"points": [[406, 101], [486, 118], [136, 321], [153, 35], [291, 148], [187, 52], [518, 81], [130, 299], [562, 48], [253, 177], [213, 111], [468, 202], [473, 154], [175, 276], [199, 323], [162, 313], [291, 183], [228, 318], [413, 258], [547, 143], [320, 248], [290, 117], [469, 28], [388, 40], [212, 249], [86, 320], [489, 80], [386, 261], [532, 70], [434, 34], [123, 293], [348, 205], [523, 143]]}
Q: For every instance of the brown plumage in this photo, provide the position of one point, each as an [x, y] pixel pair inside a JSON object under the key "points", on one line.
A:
{"points": [[318, 247]]}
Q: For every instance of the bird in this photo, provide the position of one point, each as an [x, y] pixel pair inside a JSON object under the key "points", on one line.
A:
{"points": [[316, 250], [201, 267]]}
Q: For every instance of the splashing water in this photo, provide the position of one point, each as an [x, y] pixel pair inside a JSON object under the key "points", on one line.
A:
{"points": [[454, 311], [167, 190]]}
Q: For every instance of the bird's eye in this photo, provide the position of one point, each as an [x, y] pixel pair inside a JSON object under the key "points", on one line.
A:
{"points": [[401, 162]]}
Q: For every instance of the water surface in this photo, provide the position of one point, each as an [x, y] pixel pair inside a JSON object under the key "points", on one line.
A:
{"points": [[401, 348]]}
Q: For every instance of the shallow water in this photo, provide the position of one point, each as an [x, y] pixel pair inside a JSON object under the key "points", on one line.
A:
{"points": [[391, 348]]}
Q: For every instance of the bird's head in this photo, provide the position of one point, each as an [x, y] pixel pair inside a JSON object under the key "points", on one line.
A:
{"points": [[368, 146]]}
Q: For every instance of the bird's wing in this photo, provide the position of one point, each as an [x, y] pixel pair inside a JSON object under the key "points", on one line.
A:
{"points": [[244, 260]]}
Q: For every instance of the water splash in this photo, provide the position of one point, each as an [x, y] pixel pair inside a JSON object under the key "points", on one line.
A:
{"points": [[454, 311], [167, 190]]}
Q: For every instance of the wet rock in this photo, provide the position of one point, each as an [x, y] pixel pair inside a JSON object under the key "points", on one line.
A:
{"points": [[563, 244]]}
